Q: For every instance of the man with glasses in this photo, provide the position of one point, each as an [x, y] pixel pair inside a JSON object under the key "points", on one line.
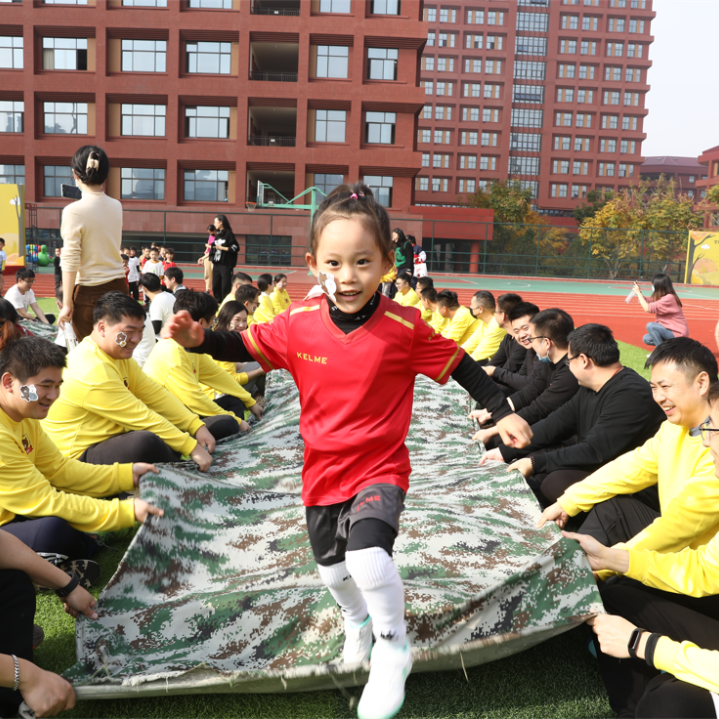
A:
{"points": [[674, 461], [23, 299], [611, 413]]}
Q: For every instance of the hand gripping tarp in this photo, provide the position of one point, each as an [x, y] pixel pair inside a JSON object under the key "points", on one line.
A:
{"points": [[222, 593]]}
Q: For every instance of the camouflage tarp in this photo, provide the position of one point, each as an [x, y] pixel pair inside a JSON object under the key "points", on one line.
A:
{"points": [[222, 593], [40, 329]]}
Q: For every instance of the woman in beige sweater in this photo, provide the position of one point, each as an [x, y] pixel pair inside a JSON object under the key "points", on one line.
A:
{"points": [[91, 230]]}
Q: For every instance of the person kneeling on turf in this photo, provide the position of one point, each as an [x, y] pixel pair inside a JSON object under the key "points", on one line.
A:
{"points": [[48, 501], [110, 410]]}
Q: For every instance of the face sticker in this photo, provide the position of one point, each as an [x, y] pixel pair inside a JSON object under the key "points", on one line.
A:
{"points": [[328, 285], [121, 339], [29, 392]]}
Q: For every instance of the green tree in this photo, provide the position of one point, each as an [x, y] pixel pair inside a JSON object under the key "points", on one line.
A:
{"points": [[596, 199]]}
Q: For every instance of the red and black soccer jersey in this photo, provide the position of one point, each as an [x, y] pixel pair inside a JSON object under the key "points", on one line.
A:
{"points": [[356, 390]]}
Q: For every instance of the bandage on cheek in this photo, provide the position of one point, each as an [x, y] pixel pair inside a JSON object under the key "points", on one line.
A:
{"points": [[121, 339], [29, 392]]}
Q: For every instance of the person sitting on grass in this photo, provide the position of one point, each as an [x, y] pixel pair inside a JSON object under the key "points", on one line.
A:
{"points": [[510, 354], [247, 296], [460, 322], [673, 462], [23, 299], [280, 297], [161, 302], [406, 296], [550, 331], [233, 318], [44, 692], [183, 374], [424, 283], [485, 340], [663, 607], [110, 410], [48, 501], [174, 277], [238, 280], [265, 312]]}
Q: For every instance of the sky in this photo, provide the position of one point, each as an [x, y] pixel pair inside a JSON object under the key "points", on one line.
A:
{"points": [[683, 101]]}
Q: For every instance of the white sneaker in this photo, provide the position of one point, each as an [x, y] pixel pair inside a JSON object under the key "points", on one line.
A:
{"points": [[383, 695], [358, 642]]}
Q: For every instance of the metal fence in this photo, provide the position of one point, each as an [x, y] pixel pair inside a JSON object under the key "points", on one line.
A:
{"points": [[279, 238]]}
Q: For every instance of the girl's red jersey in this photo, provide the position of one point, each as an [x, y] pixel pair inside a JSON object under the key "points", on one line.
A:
{"points": [[356, 390]]}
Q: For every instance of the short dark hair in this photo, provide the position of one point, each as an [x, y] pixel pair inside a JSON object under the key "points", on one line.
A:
{"points": [[91, 175], [24, 274], [425, 282], [132, 247], [507, 301], [27, 356], [123, 256], [485, 298], [523, 309], [429, 294], [113, 306], [246, 293], [169, 251], [278, 277], [596, 342], [2, 240], [712, 397], [154, 248], [175, 273], [241, 277], [688, 355], [150, 282], [200, 305], [555, 324], [448, 299], [404, 276]]}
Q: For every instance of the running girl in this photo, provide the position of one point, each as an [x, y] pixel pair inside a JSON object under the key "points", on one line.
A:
{"points": [[354, 355]]}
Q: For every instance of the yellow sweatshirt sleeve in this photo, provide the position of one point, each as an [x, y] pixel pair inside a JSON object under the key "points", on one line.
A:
{"points": [[475, 340], [280, 301], [489, 344], [265, 312], [213, 376], [26, 491], [627, 474], [457, 327], [689, 663]]}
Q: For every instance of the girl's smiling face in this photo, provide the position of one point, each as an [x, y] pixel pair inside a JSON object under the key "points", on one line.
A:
{"points": [[350, 253]]}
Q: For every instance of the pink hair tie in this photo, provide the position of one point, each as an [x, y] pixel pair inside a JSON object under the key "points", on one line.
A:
{"points": [[353, 196]]}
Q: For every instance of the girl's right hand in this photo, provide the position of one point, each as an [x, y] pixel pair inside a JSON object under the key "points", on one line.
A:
{"points": [[64, 316]]}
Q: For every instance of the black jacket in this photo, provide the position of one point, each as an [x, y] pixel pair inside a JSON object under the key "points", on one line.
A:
{"points": [[531, 370], [617, 419], [561, 386], [510, 355], [226, 238]]}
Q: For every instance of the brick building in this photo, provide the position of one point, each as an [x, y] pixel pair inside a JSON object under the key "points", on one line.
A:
{"points": [[195, 101], [686, 172], [550, 93]]}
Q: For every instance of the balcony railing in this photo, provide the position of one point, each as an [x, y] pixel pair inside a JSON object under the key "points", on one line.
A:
{"points": [[259, 10], [273, 76], [266, 141]]}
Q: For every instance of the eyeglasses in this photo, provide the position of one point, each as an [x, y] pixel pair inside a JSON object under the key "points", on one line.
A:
{"points": [[705, 430], [537, 338]]}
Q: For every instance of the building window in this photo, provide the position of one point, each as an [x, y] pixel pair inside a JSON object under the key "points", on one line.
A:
{"points": [[563, 119], [444, 88], [568, 47], [584, 120], [613, 73], [633, 74], [12, 174], [560, 167], [143, 120], [445, 64], [144, 55], [430, 14], [629, 123], [523, 165], [581, 144], [381, 63], [489, 139], [580, 168], [384, 7], [606, 169], [424, 136], [212, 58], [443, 112], [532, 21], [475, 17], [330, 125], [428, 87], [495, 17], [631, 98], [586, 72], [144, 3], [615, 49], [492, 91], [527, 118], [442, 137], [467, 186], [628, 147], [11, 49], [525, 45], [64, 53], [380, 127], [490, 114], [569, 22], [495, 42], [446, 39], [475, 42], [588, 48], [562, 143], [422, 184], [472, 89], [427, 112], [53, 177], [528, 70], [440, 160], [332, 61], [559, 190], [335, 6], [139, 183], [611, 97], [440, 184], [636, 26], [425, 159], [590, 23], [525, 141], [493, 67], [634, 50], [579, 191], [565, 94], [567, 71], [326, 182], [65, 118], [381, 188], [428, 63], [211, 4], [617, 24], [431, 37], [467, 162], [528, 93], [692, 178], [628, 171], [207, 121], [610, 122], [447, 15], [472, 65], [206, 185], [469, 138], [12, 116], [585, 97], [607, 145]]}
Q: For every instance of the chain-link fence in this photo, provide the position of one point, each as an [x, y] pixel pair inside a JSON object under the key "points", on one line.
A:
{"points": [[280, 238]]}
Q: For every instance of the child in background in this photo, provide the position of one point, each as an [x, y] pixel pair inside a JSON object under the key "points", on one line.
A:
{"points": [[57, 263], [205, 259], [265, 312], [247, 295], [238, 279], [3, 254], [145, 256], [125, 266], [354, 424], [169, 260], [154, 265], [133, 276], [280, 297]]}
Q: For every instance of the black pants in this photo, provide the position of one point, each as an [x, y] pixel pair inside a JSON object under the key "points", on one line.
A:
{"points": [[556, 483], [620, 518], [221, 281], [52, 535], [676, 616], [48, 316], [667, 697], [17, 608], [134, 291], [139, 446], [221, 425]]}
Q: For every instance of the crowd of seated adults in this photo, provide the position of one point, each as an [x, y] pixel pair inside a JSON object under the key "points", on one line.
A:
{"points": [[631, 465]]}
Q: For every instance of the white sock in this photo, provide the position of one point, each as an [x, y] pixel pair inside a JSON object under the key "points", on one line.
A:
{"points": [[379, 581], [342, 587]]}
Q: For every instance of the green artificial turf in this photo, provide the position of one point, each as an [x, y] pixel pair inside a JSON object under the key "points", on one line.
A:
{"points": [[556, 679]]}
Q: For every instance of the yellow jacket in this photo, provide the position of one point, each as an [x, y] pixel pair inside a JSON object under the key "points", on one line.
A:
{"points": [[461, 327], [280, 300], [231, 368], [485, 340], [410, 299], [438, 322], [265, 312], [37, 481], [427, 315], [683, 470], [184, 372], [227, 299], [102, 397]]}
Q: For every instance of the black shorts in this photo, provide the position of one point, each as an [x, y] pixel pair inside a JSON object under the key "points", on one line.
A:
{"points": [[369, 519]]}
